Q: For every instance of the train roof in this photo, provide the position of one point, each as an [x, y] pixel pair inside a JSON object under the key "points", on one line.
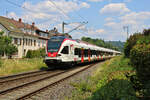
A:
{"points": [[86, 44]]}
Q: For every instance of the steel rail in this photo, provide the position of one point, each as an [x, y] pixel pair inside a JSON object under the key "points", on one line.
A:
{"points": [[29, 83], [52, 84], [26, 76]]}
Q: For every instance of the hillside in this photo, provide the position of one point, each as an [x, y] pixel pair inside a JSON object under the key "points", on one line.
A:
{"points": [[118, 44], [115, 45]]}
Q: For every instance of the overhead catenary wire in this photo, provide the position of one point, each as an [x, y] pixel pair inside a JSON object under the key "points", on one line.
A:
{"points": [[20, 6], [79, 14], [61, 10], [53, 3]]}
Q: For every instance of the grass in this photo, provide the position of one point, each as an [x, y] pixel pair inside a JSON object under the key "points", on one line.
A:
{"points": [[14, 66], [109, 82]]}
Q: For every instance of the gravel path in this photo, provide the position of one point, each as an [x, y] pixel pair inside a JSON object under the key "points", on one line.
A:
{"points": [[63, 90]]}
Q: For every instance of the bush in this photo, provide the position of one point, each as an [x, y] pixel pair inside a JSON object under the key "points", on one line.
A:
{"points": [[29, 54], [36, 53], [147, 89], [115, 90], [144, 40], [146, 32], [130, 43], [140, 58]]}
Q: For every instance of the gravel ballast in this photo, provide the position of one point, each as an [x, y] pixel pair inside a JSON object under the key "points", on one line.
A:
{"points": [[64, 89]]}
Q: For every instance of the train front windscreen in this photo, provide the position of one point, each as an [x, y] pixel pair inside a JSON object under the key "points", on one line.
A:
{"points": [[54, 43]]}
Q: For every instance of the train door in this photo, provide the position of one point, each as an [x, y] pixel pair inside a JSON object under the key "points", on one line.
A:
{"points": [[65, 53], [89, 55], [82, 55], [97, 52], [101, 54], [71, 52]]}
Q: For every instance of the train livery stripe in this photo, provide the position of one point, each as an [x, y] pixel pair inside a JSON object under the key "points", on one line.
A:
{"points": [[89, 56], [82, 55], [98, 57]]}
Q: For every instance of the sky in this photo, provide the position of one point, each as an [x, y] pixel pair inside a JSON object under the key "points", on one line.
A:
{"points": [[106, 18]]}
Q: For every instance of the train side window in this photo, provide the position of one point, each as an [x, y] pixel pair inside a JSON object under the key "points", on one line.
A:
{"points": [[85, 53], [79, 52], [65, 50], [76, 51]]}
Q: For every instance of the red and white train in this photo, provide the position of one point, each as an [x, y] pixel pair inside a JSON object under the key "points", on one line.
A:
{"points": [[61, 50]]}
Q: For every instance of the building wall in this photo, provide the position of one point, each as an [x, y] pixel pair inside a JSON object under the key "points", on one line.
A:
{"points": [[24, 43]]}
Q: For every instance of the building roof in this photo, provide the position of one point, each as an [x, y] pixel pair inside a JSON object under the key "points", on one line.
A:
{"points": [[8, 25], [15, 26]]}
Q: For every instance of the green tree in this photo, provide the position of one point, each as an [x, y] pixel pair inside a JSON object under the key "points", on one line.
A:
{"points": [[146, 32], [130, 43], [6, 46], [99, 42]]}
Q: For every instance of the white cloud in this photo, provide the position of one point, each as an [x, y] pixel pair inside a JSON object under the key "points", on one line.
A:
{"points": [[109, 19], [139, 17], [46, 12], [12, 15], [114, 9], [96, 0], [108, 0], [84, 4], [127, 0], [136, 21], [110, 24], [101, 31]]}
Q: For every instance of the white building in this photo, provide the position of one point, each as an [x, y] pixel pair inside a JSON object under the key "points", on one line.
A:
{"points": [[25, 37]]}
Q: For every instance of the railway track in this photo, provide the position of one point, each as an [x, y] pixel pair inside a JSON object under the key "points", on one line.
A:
{"points": [[28, 89], [18, 76]]}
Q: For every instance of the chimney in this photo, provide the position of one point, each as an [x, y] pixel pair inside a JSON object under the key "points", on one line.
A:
{"points": [[20, 20], [33, 24], [46, 30]]}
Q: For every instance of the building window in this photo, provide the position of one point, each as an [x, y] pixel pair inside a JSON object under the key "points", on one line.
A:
{"points": [[24, 52], [39, 43], [32, 31], [15, 41], [23, 41], [42, 43], [31, 42], [26, 41], [34, 42], [20, 41]]}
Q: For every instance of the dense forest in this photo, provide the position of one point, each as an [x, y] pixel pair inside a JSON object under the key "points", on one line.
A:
{"points": [[115, 45]]}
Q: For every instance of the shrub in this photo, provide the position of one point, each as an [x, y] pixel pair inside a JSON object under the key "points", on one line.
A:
{"points": [[140, 58], [144, 40], [115, 90], [130, 43], [147, 89], [146, 32], [36, 53], [29, 54]]}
